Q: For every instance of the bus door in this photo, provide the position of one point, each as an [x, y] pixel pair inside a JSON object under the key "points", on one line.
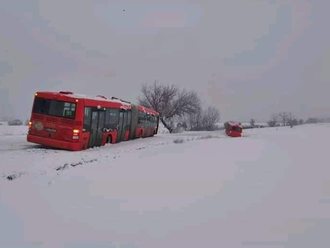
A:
{"points": [[124, 125], [97, 128], [120, 126], [128, 124], [125, 122]]}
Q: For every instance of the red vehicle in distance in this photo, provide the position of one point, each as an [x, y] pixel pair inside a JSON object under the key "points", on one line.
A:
{"points": [[233, 129], [76, 122]]}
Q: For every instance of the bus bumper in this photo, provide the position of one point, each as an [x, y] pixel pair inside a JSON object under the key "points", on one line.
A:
{"points": [[54, 143]]}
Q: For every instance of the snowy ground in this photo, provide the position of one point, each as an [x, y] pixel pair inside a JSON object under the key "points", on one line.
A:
{"points": [[270, 188]]}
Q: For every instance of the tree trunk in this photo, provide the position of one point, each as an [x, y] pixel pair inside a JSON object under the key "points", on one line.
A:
{"points": [[165, 125]]}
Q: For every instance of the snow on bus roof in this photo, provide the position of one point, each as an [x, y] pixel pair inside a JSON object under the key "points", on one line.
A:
{"points": [[234, 123], [147, 111], [97, 98], [125, 105]]}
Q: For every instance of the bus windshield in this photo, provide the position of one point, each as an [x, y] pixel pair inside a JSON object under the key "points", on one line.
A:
{"points": [[54, 108], [236, 129]]}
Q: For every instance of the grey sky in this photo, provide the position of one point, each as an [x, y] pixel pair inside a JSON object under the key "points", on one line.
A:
{"points": [[249, 58]]}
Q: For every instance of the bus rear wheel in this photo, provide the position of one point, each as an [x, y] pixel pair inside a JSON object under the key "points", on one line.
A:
{"points": [[109, 140]]}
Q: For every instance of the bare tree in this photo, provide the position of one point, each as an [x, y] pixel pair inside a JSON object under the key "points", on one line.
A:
{"points": [[291, 121], [273, 120], [284, 117], [252, 122], [312, 120], [295, 122], [301, 122], [169, 101], [195, 120], [210, 117]]}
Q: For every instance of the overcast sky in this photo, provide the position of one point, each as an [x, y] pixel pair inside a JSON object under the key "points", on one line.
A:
{"points": [[249, 58]]}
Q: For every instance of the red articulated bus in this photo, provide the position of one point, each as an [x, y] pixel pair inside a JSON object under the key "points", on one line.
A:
{"points": [[233, 129], [75, 122]]}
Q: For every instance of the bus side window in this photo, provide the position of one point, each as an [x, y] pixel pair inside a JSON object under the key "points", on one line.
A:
{"points": [[113, 118], [129, 119], [141, 119], [87, 118], [107, 118]]}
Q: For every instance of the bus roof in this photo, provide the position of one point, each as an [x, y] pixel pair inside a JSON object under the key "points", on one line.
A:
{"points": [[148, 111], [99, 98], [233, 123]]}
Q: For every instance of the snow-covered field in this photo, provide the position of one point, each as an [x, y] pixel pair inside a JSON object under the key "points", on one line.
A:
{"points": [[270, 188]]}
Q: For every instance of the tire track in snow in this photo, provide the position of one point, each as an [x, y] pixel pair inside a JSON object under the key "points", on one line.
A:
{"points": [[41, 161]]}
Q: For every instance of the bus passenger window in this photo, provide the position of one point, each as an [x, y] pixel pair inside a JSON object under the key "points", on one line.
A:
{"points": [[87, 119], [111, 118], [114, 116], [129, 119], [142, 117]]}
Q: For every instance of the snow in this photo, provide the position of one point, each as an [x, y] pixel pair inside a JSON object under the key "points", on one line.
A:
{"points": [[162, 129], [13, 130], [99, 98], [270, 188], [145, 110]]}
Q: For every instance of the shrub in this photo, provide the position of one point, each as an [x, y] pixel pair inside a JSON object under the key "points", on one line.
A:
{"points": [[15, 123], [207, 137], [178, 141]]}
